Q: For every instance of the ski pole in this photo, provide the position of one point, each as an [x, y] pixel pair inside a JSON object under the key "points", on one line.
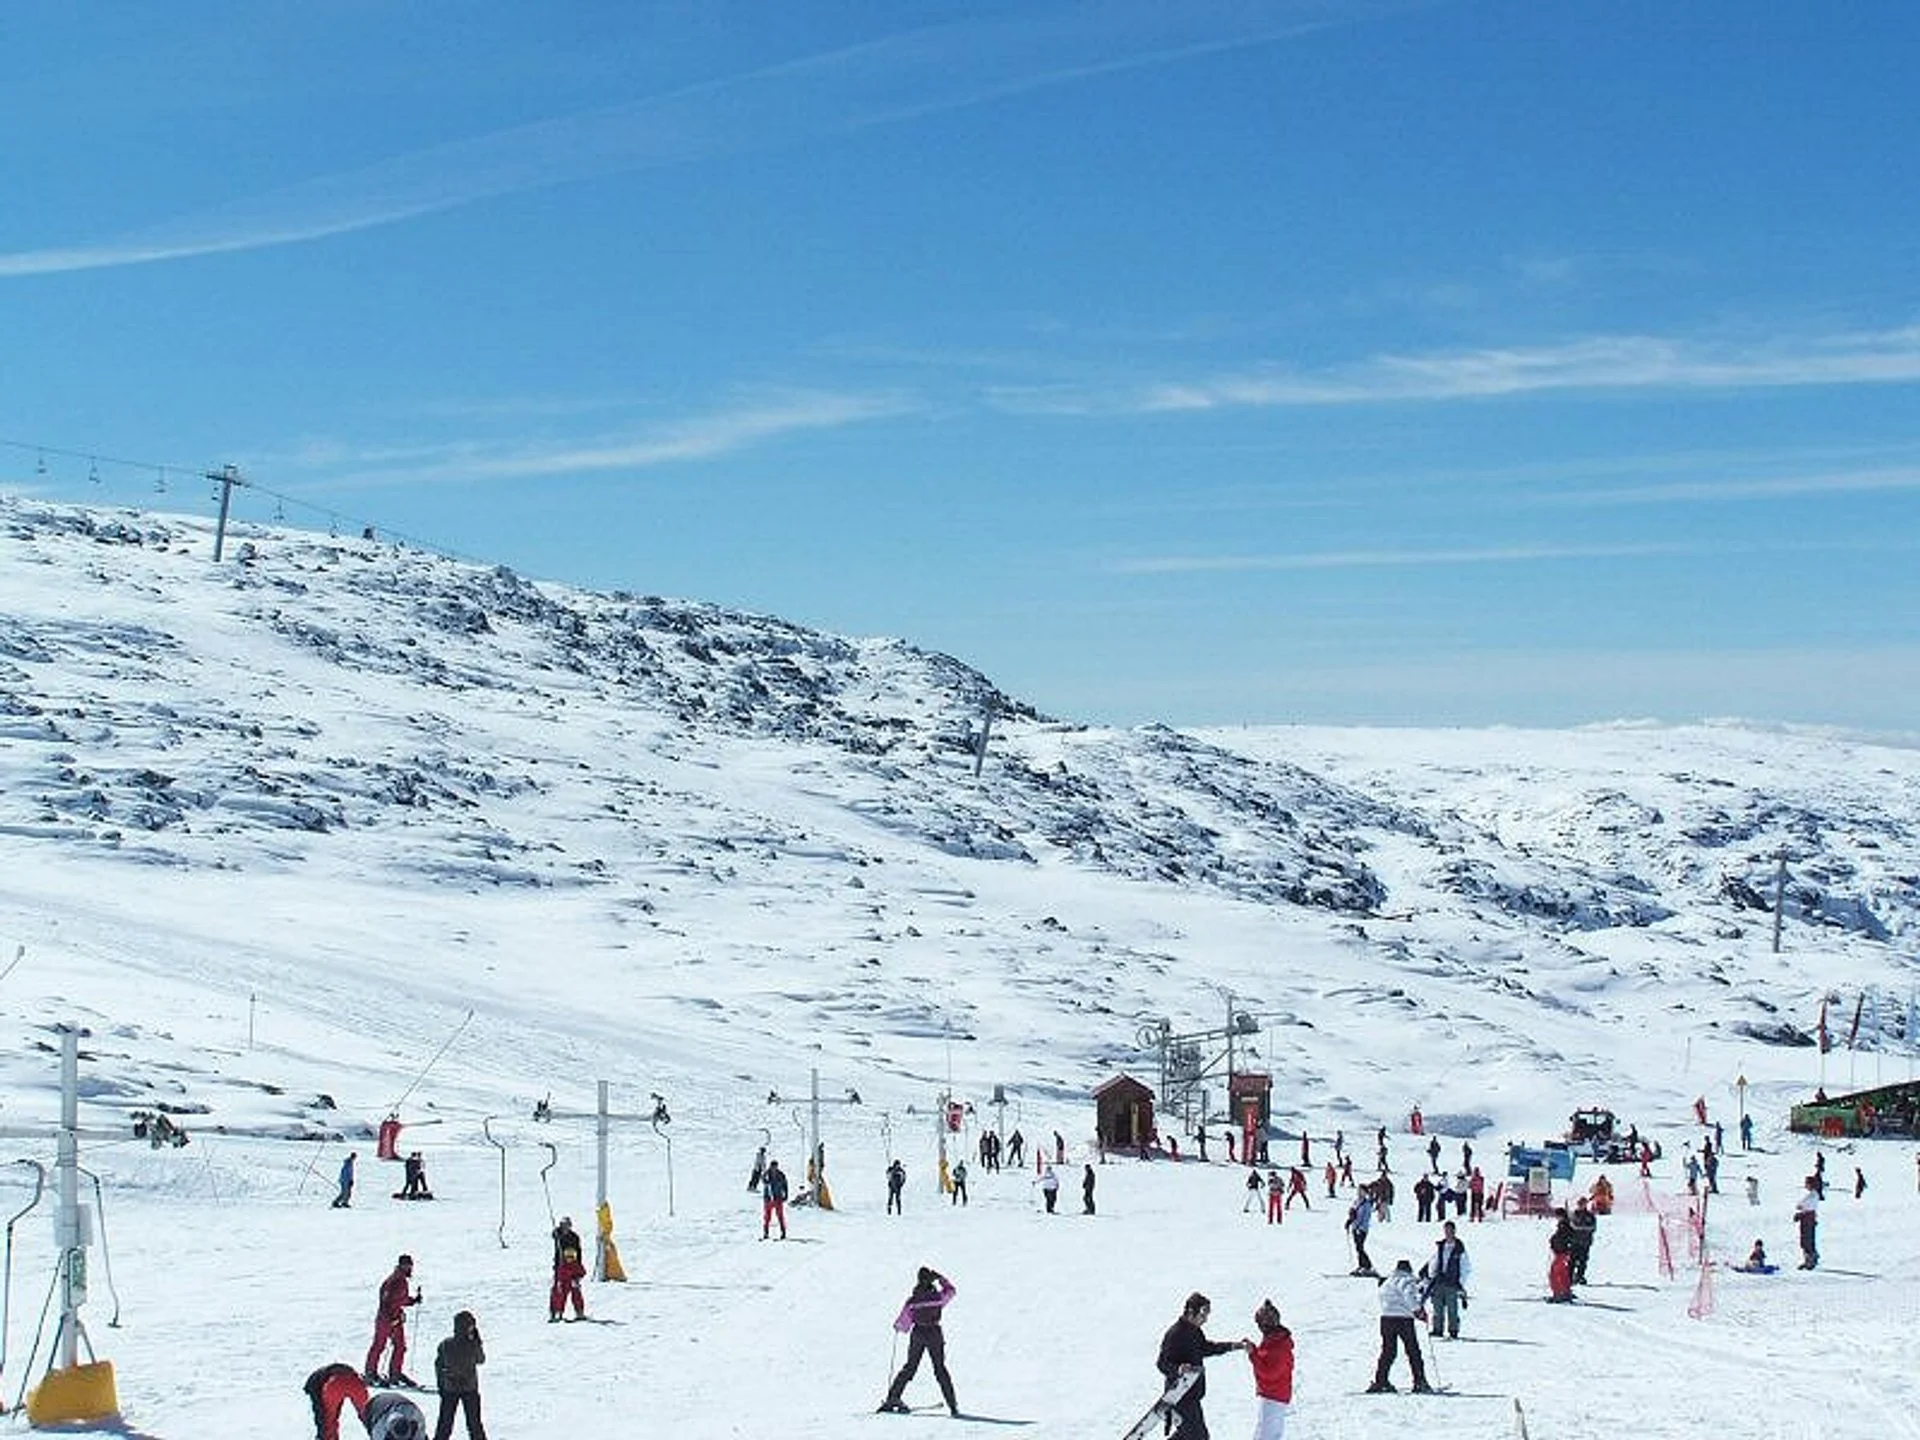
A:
{"points": [[893, 1354]]}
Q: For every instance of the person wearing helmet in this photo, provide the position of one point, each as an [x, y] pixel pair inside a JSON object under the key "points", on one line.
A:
{"points": [[456, 1373], [569, 1269], [394, 1417]]}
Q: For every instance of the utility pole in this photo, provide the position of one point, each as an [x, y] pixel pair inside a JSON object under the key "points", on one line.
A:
{"points": [[1229, 1047], [226, 477], [816, 1160], [603, 1119], [71, 1391], [980, 748], [1779, 898], [606, 1256], [71, 1228]]}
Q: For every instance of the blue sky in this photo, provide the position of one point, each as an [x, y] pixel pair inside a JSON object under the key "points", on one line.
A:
{"points": [[1477, 361]]}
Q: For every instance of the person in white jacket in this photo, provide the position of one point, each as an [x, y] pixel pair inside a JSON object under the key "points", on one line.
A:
{"points": [[1806, 1215], [1400, 1307]]}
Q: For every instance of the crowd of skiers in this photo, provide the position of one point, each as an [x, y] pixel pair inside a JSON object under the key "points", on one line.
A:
{"points": [[1437, 1294]]}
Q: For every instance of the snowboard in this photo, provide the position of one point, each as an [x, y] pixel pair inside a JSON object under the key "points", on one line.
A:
{"points": [[1163, 1407]]}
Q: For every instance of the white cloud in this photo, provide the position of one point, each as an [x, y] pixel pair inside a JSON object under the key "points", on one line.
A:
{"points": [[1774, 487], [696, 438], [1379, 559], [1593, 363], [883, 82]]}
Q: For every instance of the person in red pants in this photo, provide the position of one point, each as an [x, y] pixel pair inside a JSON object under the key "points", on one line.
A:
{"points": [[568, 1271], [390, 1325], [331, 1388], [1560, 1270], [773, 1198]]}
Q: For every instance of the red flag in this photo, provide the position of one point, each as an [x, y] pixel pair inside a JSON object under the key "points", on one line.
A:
{"points": [[1821, 1029], [1853, 1031]]}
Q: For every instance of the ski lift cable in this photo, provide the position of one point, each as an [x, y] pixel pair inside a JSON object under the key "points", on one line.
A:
{"points": [[466, 1020], [6, 1267], [95, 459], [39, 1334], [106, 1250], [486, 1126], [553, 1159]]}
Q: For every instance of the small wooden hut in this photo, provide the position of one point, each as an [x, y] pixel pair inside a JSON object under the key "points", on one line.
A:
{"points": [[1123, 1113]]}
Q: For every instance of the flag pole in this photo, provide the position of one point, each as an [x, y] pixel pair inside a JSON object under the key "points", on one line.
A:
{"points": [[1820, 1031]]}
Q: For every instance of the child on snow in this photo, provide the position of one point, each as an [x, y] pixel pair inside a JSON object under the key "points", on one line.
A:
{"points": [[569, 1269]]}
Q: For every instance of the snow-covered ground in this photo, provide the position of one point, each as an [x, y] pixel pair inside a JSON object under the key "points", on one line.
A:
{"points": [[277, 833]]}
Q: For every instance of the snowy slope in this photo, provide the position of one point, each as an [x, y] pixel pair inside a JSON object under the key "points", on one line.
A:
{"points": [[276, 831]]}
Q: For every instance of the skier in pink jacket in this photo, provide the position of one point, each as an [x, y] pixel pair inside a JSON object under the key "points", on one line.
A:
{"points": [[919, 1320]]}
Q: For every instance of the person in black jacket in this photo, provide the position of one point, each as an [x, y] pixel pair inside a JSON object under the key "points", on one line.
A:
{"points": [[456, 1374], [1185, 1347], [919, 1321], [896, 1182], [1446, 1277], [1581, 1225]]}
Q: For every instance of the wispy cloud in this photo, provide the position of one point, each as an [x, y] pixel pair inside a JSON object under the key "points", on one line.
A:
{"points": [[697, 438], [1595, 363], [883, 82], [1385, 559], [1894, 479]]}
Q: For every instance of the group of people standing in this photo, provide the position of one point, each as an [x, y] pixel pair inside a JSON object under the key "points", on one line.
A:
{"points": [[1570, 1245], [1465, 1192], [372, 1391], [413, 1183], [1185, 1348]]}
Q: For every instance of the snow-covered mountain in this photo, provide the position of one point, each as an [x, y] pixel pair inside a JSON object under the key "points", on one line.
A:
{"points": [[335, 827], [318, 706]]}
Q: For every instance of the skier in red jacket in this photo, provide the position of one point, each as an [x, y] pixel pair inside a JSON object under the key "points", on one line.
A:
{"points": [[1272, 1373], [390, 1325], [332, 1388]]}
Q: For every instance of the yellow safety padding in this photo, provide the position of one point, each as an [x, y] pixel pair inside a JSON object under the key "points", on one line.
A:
{"points": [[603, 1218], [80, 1392]]}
